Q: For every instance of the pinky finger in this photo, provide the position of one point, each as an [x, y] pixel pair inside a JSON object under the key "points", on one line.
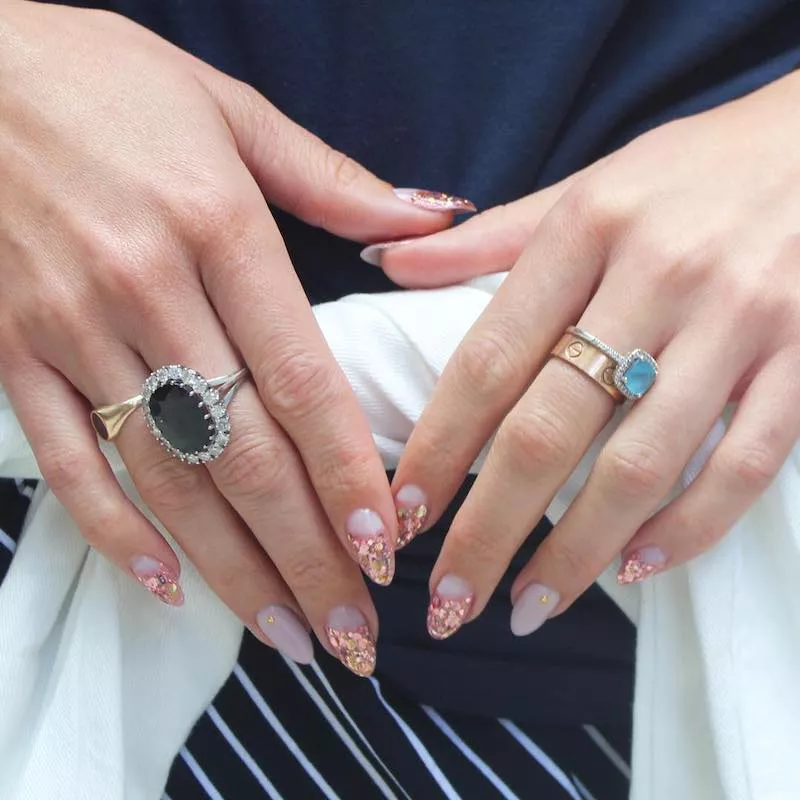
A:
{"points": [[764, 429], [55, 419]]}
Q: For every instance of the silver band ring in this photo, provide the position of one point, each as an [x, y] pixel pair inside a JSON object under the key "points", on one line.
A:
{"points": [[185, 412], [635, 372]]}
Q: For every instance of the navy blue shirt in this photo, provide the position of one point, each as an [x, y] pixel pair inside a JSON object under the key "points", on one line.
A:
{"points": [[489, 99]]}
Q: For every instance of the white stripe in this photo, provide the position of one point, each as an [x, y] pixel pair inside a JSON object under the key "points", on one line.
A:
{"points": [[613, 756], [466, 750], [544, 760], [7, 541], [200, 776], [246, 758], [275, 723], [340, 705], [340, 731], [420, 749], [585, 793]]}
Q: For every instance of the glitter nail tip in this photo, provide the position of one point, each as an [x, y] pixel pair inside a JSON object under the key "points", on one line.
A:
{"points": [[412, 513], [640, 565], [158, 579], [449, 607], [350, 637], [370, 542], [436, 201]]}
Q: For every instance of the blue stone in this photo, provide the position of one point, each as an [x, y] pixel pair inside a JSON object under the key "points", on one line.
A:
{"points": [[639, 376]]}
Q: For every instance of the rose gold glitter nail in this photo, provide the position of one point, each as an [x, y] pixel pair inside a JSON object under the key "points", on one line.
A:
{"points": [[449, 607], [436, 201], [641, 564], [159, 579], [412, 513], [351, 639], [370, 542]]}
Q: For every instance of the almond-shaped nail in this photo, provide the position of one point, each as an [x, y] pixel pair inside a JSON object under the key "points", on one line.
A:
{"points": [[436, 201], [282, 627], [412, 513], [158, 578], [370, 542], [351, 639], [533, 608], [374, 252], [641, 564], [450, 606]]}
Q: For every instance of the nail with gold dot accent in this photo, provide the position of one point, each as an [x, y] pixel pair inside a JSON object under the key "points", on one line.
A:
{"points": [[641, 564], [351, 640], [370, 542], [412, 513], [158, 578], [283, 628], [533, 608], [450, 606]]}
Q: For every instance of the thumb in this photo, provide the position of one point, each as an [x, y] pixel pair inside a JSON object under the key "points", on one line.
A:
{"points": [[301, 174], [489, 242]]}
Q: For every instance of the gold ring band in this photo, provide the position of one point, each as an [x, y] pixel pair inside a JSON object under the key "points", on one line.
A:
{"points": [[590, 360]]}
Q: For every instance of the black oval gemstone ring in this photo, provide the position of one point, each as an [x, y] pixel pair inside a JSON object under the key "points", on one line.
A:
{"points": [[186, 413]]}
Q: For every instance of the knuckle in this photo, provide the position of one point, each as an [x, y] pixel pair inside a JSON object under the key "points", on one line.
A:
{"points": [[104, 525], [63, 471], [631, 469], [751, 467], [597, 206], [534, 439], [298, 384], [346, 470], [169, 486], [208, 212], [255, 468], [487, 366], [344, 171], [306, 568], [565, 558]]}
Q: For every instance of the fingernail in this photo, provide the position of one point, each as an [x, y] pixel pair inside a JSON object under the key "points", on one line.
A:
{"points": [[370, 542], [412, 512], [436, 201], [158, 578], [533, 608], [449, 606], [641, 564], [374, 252], [351, 639], [282, 627]]}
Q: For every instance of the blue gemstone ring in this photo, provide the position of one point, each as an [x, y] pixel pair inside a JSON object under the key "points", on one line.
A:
{"points": [[632, 375], [185, 412]]}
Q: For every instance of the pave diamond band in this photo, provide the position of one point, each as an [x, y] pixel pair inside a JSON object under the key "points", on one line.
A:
{"points": [[186, 413], [623, 376]]}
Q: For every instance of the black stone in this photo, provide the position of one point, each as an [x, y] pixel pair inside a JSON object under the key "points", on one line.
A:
{"points": [[180, 419]]}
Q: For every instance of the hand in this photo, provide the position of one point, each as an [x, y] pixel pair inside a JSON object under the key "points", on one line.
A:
{"points": [[134, 234], [685, 244]]}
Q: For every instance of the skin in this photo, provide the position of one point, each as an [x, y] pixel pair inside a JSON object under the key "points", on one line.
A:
{"points": [[685, 243], [134, 233]]}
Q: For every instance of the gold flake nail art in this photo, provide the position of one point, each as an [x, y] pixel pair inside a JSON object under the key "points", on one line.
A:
{"points": [[410, 522], [354, 648], [449, 607], [375, 557]]}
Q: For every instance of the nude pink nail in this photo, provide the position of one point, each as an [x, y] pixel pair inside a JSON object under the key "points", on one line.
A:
{"points": [[282, 627], [158, 578], [412, 513], [436, 201], [533, 608], [370, 542], [374, 252], [641, 564], [449, 607], [351, 640]]}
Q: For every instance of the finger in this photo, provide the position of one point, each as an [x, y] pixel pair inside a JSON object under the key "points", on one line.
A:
{"points": [[306, 177], [495, 363], [54, 418], [633, 474], [740, 469], [261, 476], [299, 381], [489, 242]]}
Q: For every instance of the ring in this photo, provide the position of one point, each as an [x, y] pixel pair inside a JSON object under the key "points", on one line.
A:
{"points": [[623, 376], [186, 413]]}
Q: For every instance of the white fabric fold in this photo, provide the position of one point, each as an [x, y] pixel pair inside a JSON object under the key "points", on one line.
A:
{"points": [[100, 683]]}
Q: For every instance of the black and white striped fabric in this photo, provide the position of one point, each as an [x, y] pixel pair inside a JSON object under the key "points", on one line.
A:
{"points": [[277, 730]]}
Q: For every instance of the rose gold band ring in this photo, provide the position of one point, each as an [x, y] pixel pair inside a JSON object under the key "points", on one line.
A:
{"points": [[590, 360]]}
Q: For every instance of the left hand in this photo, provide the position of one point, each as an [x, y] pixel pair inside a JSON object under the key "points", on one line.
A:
{"points": [[685, 243]]}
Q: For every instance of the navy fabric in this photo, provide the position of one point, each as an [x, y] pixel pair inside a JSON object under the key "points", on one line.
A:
{"points": [[491, 99]]}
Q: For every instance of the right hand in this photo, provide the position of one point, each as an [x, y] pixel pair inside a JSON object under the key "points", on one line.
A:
{"points": [[134, 233]]}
